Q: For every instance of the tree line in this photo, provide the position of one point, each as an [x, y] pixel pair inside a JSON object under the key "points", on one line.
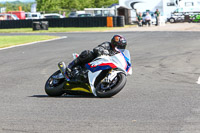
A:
{"points": [[14, 6], [71, 5], [58, 5]]}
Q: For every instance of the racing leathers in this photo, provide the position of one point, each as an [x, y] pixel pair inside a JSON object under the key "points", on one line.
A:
{"points": [[87, 56]]}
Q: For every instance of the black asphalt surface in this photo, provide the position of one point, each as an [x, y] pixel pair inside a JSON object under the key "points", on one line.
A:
{"points": [[161, 96]]}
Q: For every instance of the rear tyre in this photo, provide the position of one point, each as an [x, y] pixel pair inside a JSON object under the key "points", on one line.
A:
{"points": [[116, 86], [54, 87]]}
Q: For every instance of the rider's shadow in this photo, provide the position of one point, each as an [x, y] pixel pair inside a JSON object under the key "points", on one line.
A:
{"points": [[65, 96]]}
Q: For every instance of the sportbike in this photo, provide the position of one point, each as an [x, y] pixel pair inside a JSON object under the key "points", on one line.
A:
{"points": [[105, 76]]}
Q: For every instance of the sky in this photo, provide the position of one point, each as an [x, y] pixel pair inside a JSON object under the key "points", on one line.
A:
{"points": [[16, 0]]}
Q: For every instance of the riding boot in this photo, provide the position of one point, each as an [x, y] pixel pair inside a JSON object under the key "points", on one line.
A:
{"points": [[64, 70]]}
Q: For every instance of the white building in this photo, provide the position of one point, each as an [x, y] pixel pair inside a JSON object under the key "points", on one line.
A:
{"points": [[2, 9], [188, 6], [166, 7]]}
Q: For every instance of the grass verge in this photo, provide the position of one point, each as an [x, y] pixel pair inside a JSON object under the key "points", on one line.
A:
{"points": [[7, 41]]}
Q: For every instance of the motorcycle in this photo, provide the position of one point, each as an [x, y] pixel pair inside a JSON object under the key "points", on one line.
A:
{"points": [[103, 77]]}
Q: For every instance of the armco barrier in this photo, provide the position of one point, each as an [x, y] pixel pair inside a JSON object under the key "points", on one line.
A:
{"points": [[63, 22]]}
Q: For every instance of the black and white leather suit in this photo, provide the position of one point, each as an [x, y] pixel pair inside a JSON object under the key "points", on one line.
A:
{"points": [[87, 56]]}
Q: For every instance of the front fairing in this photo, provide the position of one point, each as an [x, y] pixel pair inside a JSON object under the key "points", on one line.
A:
{"points": [[121, 61], [127, 57]]}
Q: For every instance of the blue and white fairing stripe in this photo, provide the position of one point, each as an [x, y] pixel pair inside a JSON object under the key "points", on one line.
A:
{"points": [[102, 66], [127, 60]]}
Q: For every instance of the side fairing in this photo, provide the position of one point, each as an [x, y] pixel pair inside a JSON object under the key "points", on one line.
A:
{"points": [[108, 62], [92, 77], [120, 61]]}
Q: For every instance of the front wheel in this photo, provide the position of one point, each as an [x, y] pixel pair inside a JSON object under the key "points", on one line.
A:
{"points": [[54, 86], [110, 89]]}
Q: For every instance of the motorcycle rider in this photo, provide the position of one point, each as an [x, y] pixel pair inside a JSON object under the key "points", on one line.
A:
{"points": [[106, 48]]}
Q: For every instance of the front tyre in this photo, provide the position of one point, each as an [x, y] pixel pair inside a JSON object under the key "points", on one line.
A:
{"points": [[105, 90], [53, 87]]}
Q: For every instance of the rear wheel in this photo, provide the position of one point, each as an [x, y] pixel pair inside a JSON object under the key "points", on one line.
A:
{"points": [[105, 89], [53, 86]]}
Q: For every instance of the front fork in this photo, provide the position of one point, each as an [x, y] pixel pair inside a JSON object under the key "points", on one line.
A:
{"points": [[110, 77]]}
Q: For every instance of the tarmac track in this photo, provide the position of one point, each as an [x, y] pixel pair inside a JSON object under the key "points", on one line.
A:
{"points": [[160, 97]]}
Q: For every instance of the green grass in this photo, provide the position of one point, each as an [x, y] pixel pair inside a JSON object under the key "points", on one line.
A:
{"points": [[6, 41], [62, 29]]}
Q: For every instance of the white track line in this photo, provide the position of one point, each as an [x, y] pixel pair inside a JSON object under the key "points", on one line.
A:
{"points": [[33, 43], [198, 81]]}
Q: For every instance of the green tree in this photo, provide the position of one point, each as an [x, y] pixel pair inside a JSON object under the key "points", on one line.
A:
{"points": [[86, 4], [14, 6], [69, 5], [98, 3], [110, 2], [104, 3]]}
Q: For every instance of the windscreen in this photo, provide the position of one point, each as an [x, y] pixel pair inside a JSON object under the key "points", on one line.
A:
{"points": [[126, 54]]}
